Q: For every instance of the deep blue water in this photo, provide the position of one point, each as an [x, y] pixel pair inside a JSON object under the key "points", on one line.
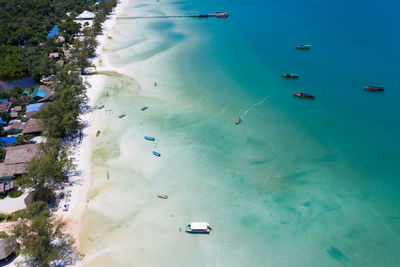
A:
{"points": [[328, 168]]}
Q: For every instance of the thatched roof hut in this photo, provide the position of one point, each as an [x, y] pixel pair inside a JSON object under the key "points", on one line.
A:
{"points": [[32, 126], [16, 159]]}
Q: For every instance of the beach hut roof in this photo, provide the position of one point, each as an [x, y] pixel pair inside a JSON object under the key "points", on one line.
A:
{"points": [[5, 107], [26, 92], [18, 108], [7, 246], [39, 92], [20, 154], [34, 107], [32, 126], [86, 15], [199, 225]]}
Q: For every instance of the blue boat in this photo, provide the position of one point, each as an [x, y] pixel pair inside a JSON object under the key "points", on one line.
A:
{"points": [[144, 108], [155, 153], [102, 106], [149, 138]]}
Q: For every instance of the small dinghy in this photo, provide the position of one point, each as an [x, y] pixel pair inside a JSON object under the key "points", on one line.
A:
{"points": [[155, 153], [198, 228], [162, 196], [155, 83], [149, 138], [290, 75], [375, 88], [304, 47], [304, 95], [144, 108], [238, 121], [98, 133], [102, 106], [121, 116]]}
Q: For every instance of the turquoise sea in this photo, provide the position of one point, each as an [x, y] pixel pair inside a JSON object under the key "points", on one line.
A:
{"points": [[297, 183]]}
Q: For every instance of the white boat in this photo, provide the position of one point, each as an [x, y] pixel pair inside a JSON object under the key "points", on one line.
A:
{"points": [[198, 228]]}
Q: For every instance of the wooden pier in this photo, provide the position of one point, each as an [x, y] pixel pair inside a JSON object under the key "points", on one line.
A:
{"points": [[217, 15]]}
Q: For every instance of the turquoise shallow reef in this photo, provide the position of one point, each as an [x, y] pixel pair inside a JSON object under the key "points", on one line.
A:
{"points": [[298, 182]]}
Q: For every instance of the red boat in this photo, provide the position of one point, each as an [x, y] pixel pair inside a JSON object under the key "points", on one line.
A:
{"points": [[238, 121], [305, 47], [222, 14], [374, 88], [304, 95], [290, 75]]}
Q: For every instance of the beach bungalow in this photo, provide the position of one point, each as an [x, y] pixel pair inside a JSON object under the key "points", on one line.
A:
{"points": [[54, 55], [5, 107], [7, 247], [6, 186], [67, 54], [12, 99], [33, 126], [26, 92], [39, 92], [17, 157], [33, 109], [3, 100], [86, 15]]}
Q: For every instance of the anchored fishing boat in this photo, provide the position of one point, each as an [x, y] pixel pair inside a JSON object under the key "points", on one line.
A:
{"points": [[198, 228], [290, 75], [98, 133], [155, 153], [238, 121], [304, 47], [149, 138], [144, 108], [304, 95], [121, 116], [163, 196], [374, 88], [102, 106], [222, 14]]}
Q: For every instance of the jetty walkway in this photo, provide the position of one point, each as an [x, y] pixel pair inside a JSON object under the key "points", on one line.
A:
{"points": [[217, 15]]}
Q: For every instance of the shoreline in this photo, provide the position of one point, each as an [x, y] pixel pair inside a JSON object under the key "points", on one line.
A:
{"points": [[82, 152]]}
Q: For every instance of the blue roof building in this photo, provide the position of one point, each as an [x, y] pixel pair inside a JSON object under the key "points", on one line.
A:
{"points": [[39, 92], [34, 107], [2, 122], [3, 100], [54, 31], [6, 141]]}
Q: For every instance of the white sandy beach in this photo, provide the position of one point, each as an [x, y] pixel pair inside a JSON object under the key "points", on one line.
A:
{"points": [[82, 153]]}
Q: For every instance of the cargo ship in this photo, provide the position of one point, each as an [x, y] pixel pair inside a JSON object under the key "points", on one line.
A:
{"points": [[374, 88], [290, 75]]}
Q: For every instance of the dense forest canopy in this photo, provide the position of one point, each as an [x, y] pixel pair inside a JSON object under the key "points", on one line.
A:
{"points": [[27, 22]]}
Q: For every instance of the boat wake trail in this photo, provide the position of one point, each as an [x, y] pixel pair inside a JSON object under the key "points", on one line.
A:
{"points": [[253, 106]]}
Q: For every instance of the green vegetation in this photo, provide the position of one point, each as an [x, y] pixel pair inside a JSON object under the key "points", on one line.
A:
{"points": [[42, 236], [12, 62], [15, 193], [2, 154], [23, 139], [25, 48], [3, 235], [47, 170]]}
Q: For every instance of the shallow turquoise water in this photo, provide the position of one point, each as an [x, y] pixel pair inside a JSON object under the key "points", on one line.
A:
{"points": [[298, 182]]}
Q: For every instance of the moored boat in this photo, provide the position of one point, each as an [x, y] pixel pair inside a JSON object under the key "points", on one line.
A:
{"points": [[375, 88], [121, 116], [305, 47], [144, 108], [98, 133], [304, 95], [198, 228], [155, 153], [238, 121], [222, 14], [149, 138], [290, 75], [163, 196], [102, 106]]}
